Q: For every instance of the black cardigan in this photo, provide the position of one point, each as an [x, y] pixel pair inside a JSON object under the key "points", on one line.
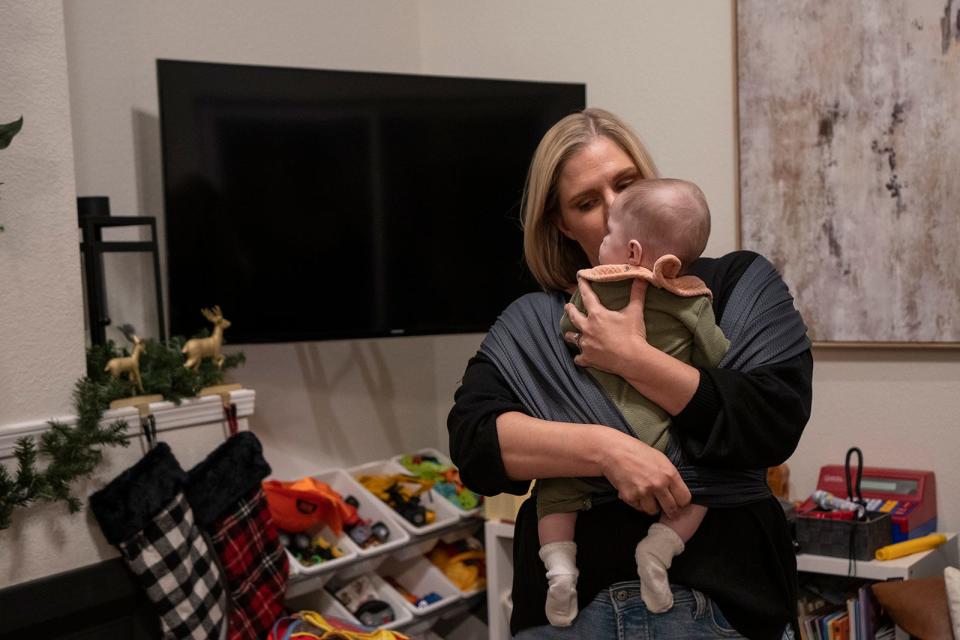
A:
{"points": [[742, 557]]}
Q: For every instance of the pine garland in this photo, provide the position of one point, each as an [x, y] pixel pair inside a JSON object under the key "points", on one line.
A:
{"points": [[75, 452]]}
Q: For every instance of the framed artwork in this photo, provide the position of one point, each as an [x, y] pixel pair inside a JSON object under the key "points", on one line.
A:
{"points": [[849, 126]]}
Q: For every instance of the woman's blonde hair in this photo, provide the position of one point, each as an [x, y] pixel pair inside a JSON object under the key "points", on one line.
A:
{"points": [[553, 258]]}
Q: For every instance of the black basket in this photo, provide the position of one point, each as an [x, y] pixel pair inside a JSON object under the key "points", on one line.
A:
{"points": [[833, 537]]}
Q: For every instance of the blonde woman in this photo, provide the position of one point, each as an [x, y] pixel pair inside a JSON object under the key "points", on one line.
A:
{"points": [[526, 410]]}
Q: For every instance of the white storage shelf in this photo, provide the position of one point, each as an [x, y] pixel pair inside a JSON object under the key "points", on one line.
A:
{"points": [[403, 552], [918, 565], [499, 549]]}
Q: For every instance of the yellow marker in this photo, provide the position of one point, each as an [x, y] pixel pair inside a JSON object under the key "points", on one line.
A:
{"points": [[909, 547]]}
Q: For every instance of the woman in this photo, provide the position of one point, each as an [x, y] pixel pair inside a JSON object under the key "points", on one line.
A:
{"points": [[738, 573]]}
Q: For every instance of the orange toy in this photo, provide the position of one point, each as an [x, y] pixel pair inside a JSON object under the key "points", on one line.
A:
{"points": [[299, 505]]}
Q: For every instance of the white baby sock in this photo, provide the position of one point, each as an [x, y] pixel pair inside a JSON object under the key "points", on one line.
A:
{"points": [[560, 559], [654, 555]]}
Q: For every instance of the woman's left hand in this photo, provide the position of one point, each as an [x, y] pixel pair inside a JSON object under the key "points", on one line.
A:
{"points": [[607, 337]]}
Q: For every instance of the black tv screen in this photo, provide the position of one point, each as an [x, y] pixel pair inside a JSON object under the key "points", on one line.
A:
{"points": [[312, 204]]}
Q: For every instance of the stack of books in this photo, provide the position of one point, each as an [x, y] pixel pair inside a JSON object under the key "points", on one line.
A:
{"points": [[825, 616]]}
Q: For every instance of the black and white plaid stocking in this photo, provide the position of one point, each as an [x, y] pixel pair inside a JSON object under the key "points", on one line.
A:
{"points": [[145, 513]]}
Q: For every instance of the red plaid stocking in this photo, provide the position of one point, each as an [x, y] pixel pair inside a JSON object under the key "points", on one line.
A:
{"points": [[224, 491]]}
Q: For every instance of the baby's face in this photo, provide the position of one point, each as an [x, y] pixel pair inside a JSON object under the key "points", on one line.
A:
{"points": [[615, 246]]}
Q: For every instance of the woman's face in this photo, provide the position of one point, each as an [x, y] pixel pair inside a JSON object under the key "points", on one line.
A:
{"points": [[588, 183]]}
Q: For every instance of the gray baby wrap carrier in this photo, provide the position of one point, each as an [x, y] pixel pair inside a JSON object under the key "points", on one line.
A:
{"points": [[526, 346]]}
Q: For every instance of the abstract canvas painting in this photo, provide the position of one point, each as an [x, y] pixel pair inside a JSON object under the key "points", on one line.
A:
{"points": [[849, 119]]}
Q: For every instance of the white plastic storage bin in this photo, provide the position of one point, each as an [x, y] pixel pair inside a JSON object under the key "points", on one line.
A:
{"points": [[324, 604], [371, 509], [415, 550], [345, 545], [386, 593], [464, 513], [419, 576], [446, 513], [474, 543]]}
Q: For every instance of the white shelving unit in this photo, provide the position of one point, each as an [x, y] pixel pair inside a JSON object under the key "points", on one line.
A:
{"points": [[918, 565], [306, 591], [498, 537]]}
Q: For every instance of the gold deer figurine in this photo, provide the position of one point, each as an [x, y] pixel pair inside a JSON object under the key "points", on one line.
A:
{"points": [[199, 348], [128, 364]]}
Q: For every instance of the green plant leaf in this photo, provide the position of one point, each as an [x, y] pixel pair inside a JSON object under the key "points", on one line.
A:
{"points": [[7, 131]]}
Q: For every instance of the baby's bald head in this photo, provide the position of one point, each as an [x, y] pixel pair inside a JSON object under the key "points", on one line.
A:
{"points": [[665, 216]]}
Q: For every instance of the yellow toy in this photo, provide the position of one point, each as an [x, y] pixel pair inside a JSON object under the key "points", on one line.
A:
{"points": [[909, 547], [313, 626], [464, 566]]}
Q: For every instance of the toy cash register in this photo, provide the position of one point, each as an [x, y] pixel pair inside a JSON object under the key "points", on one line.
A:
{"points": [[910, 497]]}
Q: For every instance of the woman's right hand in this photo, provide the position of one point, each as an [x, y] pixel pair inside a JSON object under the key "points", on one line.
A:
{"points": [[644, 477]]}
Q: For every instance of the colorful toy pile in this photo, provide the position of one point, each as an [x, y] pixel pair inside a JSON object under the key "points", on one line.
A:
{"points": [[311, 625], [309, 551], [463, 562], [445, 478], [402, 493], [308, 504]]}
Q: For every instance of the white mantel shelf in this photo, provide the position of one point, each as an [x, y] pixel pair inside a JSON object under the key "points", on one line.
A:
{"points": [[168, 416]]}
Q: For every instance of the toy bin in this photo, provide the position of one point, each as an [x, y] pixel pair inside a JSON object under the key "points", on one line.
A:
{"points": [[324, 604], [419, 577], [427, 451], [446, 513], [415, 550], [470, 545], [844, 538], [386, 593], [371, 510]]}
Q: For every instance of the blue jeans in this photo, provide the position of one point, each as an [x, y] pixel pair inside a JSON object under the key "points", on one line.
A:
{"points": [[618, 612]]}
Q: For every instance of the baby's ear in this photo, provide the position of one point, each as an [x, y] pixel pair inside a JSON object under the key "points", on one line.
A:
{"points": [[667, 266], [636, 253]]}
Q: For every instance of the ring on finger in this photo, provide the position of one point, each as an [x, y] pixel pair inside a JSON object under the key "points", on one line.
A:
{"points": [[576, 339]]}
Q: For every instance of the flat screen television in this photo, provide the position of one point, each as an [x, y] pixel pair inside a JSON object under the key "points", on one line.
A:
{"points": [[314, 205]]}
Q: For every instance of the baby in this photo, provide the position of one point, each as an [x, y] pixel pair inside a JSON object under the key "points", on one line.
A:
{"points": [[656, 229]]}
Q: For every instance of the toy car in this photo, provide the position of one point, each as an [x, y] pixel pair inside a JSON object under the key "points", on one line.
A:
{"points": [[364, 533], [309, 551]]}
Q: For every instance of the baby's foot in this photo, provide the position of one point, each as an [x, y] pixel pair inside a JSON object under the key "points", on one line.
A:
{"points": [[561, 604], [560, 560], [654, 555]]}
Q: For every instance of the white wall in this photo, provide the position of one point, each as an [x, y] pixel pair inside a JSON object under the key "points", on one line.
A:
{"points": [[41, 308], [667, 67]]}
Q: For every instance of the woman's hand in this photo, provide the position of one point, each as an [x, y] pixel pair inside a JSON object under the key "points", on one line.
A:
{"points": [[644, 478], [607, 337]]}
